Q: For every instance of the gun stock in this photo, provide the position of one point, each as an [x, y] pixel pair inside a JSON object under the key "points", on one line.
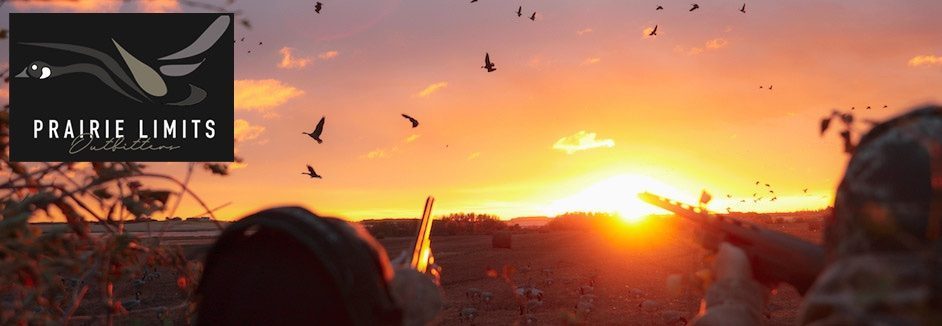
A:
{"points": [[421, 249], [775, 257]]}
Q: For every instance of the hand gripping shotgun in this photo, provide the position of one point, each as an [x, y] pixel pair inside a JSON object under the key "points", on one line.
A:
{"points": [[775, 257]]}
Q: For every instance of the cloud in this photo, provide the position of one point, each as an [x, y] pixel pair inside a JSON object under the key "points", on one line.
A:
{"points": [[289, 61], [158, 6], [584, 31], [925, 60], [431, 89], [716, 43], [245, 131], [76, 5], [412, 138], [262, 94], [593, 60], [581, 141], [328, 55], [474, 155], [379, 153]]}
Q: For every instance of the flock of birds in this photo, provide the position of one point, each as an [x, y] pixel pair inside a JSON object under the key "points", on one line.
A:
{"points": [[693, 7], [319, 130]]}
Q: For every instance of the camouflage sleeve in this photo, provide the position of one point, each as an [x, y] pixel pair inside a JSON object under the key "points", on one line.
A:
{"points": [[890, 289]]}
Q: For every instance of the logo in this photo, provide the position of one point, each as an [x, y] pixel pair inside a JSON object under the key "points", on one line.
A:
{"points": [[121, 87]]}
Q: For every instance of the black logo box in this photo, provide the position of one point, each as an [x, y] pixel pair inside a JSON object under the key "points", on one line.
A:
{"points": [[82, 96]]}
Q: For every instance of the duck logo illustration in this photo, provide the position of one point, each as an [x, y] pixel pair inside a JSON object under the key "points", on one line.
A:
{"points": [[144, 83]]}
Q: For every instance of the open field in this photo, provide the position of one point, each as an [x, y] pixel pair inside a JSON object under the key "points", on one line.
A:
{"points": [[627, 265]]}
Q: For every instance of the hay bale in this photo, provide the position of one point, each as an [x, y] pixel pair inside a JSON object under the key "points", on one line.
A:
{"points": [[501, 239]]}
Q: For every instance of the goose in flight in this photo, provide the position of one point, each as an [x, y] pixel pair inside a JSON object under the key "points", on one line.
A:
{"points": [[415, 123], [316, 134], [310, 172], [488, 65]]}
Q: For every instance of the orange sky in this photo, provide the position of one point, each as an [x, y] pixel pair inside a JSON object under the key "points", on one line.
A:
{"points": [[580, 98]]}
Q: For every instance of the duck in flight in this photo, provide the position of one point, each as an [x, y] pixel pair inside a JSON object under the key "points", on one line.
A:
{"points": [[488, 65], [520, 11], [144, 82], [415, 123], [533, 16], [310, 172], [694, 7], [316, 134], [653, 31], [318, 6], [743, 9], [659, 8]]}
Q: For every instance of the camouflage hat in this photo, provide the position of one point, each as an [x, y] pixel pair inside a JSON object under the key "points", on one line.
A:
{"points": [[890, 198]]}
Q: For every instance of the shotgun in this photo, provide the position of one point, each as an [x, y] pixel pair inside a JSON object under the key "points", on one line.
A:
{"points": [[421, 249], [775, 257]]}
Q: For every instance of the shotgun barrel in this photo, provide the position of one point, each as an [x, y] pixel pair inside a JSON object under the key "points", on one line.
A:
{"points": [[775, 257]]}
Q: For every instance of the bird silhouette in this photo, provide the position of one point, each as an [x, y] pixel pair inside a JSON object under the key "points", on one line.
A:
{"points": [[415, 123], [318, 6], [885, 106], [653, 31], [310, 172], [659, 8], [242, 40], [259, 43], [488, 64], [805, 190], [761, 87], [694, 7], [853, 108], [743, 9], [473, 1], [520, 11], [533, 16], [868, 107], [316, 134], [825, 123], [757, 183], [767, 185], [770, 87]]}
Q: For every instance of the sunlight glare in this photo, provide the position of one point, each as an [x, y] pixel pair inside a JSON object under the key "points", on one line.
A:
{"points": [[617, 194]]}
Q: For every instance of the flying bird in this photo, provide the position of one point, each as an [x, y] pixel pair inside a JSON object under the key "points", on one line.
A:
{"points": [[520, 11], [743, 9], [868, 107], [487, 63], [659, 8], [885, 106], [805, 190], [694, 7], [310, 172], [533, 16], [473, 1], [316, 134], [825, 123], [757, 183], [653, 31], [318, 6], [415, 123], [770, 87]]}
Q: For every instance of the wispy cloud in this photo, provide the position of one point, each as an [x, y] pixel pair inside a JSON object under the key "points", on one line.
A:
{"points": [[290, 61], [474, 155], [716, 43], [711, 45], [245, 131], [262, 94], [380, 153], [412, 138], [581, 141], [584, 31], [431, 89], [925, 60], [158, 6], [592, 60], [328, 55], [76, 5]]}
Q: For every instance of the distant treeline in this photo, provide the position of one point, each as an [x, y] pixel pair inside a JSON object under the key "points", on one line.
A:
{"points": [[473, 223], [453, 224]]}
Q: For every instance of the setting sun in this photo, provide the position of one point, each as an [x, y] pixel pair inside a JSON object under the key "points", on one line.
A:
{"points": [[617, 194]]}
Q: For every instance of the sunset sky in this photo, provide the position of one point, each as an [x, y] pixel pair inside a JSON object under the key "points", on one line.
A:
{"points": [[583, 110]]}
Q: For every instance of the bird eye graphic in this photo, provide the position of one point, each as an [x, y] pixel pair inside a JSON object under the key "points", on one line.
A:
{"points": [[39, 70]]}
